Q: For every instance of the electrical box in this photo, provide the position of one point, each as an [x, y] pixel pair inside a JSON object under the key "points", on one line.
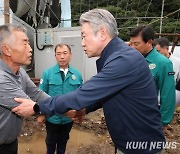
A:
{"points": [[46, 38]]}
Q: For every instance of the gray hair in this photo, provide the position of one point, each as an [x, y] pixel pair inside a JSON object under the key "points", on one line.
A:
{"points": [[99, 17], [6, 33]]}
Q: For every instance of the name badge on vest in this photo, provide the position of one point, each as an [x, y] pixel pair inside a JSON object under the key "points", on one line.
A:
{"points": [[152, 66], [73, 77]]}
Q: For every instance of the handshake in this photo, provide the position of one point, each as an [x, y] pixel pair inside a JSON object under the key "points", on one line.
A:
{"points": [[26, 108], [76, 116]]}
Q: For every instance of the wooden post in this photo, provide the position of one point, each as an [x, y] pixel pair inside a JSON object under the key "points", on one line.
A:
{"points": [[6, 11]]}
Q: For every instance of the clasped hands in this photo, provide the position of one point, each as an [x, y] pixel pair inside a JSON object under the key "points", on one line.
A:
{"points": [[26, 109], [76, 116]]}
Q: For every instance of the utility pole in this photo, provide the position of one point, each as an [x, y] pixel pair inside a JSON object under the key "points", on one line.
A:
{"points": [[6, 11], [162, 10]]}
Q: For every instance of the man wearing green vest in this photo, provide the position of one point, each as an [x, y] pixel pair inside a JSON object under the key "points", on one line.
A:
{"points": [[161, 68], [57, 80]]}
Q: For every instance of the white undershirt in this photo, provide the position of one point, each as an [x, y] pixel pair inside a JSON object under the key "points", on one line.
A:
{"points": [[65, 71]]}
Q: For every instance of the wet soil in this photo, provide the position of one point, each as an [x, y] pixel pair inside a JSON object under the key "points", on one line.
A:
{"points": [[91, 137]]}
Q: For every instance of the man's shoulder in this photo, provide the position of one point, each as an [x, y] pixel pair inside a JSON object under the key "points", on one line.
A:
{"points": [[74, 70], [51, 69], [160, 58], [22, 70], [126, 54], [6, 77], [3, 75]]}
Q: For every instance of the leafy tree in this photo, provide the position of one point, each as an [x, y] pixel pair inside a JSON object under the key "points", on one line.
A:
{"points": [[127, 11]]}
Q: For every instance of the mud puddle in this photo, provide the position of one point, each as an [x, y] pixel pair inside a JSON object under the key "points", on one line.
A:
{"points": [[91, 137], [35, 144]]}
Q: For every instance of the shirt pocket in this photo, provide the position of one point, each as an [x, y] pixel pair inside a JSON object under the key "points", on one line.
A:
{"points": [[74, 83], [55, 87]]}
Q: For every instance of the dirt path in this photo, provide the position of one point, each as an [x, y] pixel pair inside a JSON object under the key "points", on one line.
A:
{"points": [[91, 137]]}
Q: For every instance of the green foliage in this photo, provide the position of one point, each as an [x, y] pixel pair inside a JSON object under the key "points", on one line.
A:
{"points": [[127, 11]]}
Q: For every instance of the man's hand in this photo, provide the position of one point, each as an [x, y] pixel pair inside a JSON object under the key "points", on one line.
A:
{"points": [[41, 119], [25, 108], [76, 116], [80, 115], [71, 114]]}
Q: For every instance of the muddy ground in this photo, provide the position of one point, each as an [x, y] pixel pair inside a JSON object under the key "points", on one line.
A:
{"points": [[91, 137]]}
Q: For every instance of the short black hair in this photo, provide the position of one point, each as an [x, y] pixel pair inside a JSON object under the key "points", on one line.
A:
{"points": [[163, 42], [146, 32]]}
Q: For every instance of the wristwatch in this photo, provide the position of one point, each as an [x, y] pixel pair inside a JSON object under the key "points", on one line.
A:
{"points": [[36, 108]]}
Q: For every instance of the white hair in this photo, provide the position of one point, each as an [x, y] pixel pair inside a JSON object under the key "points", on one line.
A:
{"points": [[99, 17]]}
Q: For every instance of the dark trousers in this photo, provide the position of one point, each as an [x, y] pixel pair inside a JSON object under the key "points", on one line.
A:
{"points": [[10, 148], [57, 137]]}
